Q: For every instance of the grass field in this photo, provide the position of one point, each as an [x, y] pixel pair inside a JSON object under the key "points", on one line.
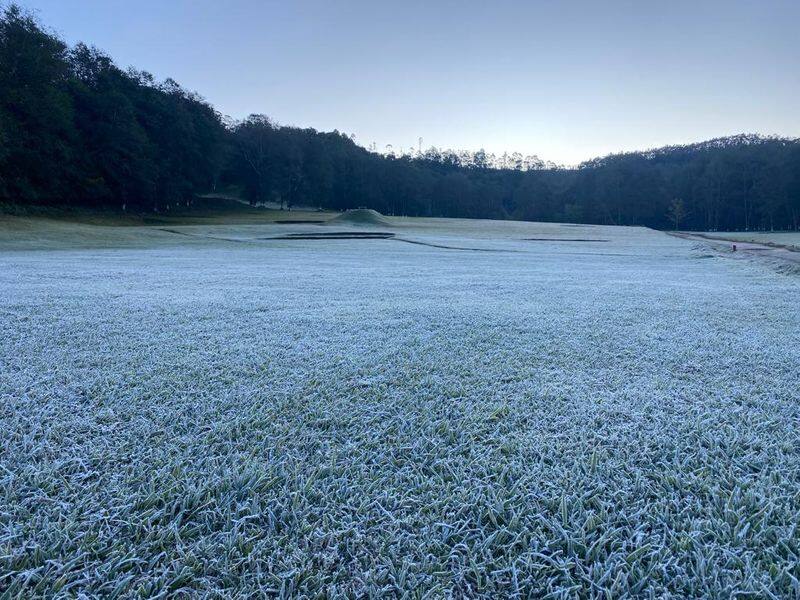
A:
{"points": [[470, 409], [782, 238]]}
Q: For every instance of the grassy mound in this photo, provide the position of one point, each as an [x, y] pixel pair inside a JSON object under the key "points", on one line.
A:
{"points": [[361, 216]]}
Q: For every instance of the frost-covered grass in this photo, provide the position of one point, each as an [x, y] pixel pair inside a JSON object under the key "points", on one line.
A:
{"points": [[372, 417], [783, 238]]}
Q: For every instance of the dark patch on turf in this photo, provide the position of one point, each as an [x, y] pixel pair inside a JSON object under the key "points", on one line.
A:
{"points": [[561, 240], [442, 246], [335, 235], [297, 222]]}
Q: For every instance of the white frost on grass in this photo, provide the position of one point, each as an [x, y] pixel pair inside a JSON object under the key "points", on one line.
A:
{"points": [[782, 238], [369, 417]]}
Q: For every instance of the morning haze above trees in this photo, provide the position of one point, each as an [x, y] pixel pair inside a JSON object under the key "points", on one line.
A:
{"points": [[76, 129]]}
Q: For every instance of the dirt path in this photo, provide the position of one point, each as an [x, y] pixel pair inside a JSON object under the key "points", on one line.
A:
{"points": [[773, 253]]}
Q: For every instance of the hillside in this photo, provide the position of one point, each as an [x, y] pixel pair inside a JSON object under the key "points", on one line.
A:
{"points": [[75, 129]]}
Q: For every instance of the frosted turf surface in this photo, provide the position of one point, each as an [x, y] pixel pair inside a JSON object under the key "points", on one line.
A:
{"points": [[370, 417], [783, 238]]}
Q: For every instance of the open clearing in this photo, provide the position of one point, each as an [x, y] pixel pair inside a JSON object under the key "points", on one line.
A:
{"points": [[203, 409]]}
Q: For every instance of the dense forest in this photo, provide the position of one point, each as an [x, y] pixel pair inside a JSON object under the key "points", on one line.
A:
{"points": [[75, 129]]}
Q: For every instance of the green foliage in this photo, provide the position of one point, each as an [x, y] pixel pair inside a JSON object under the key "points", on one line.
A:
{"points": [[36, 110], [77, 129]]}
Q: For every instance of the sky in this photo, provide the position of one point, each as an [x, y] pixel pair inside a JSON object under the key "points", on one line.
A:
{"points": [[566, 80]]}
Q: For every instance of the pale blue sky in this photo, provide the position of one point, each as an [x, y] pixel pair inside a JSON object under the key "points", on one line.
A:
{"points": [[565, 80]]}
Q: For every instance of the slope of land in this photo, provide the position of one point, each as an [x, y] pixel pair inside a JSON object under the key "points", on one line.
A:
{"points": [[208, 410], [789, 239], [47, 228], [781, 256]]}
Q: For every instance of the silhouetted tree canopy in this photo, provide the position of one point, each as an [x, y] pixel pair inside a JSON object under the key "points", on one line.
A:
{"points": [[77, 129]]}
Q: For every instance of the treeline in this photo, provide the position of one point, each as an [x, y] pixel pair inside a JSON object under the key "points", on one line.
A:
{"points": [[74, 128], [77, 129]]}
